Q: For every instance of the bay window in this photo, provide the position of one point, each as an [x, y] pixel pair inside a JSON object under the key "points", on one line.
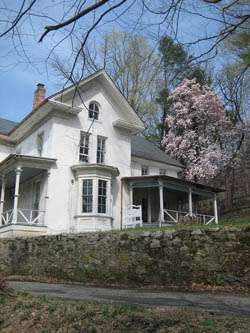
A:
{"points": [[102, 196], [87, 196], [95, 198]]}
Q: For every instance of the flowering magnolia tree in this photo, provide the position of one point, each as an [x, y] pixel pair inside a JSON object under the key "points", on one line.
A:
{"points": [[200, 134]]}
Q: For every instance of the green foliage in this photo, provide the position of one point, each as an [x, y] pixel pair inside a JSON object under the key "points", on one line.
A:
{"points": [[176, 66], [239, 44], [172, 53], [198, 73]]}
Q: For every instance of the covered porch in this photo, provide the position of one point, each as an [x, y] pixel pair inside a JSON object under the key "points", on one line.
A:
{"points": [[24, 195], [163, 200]]}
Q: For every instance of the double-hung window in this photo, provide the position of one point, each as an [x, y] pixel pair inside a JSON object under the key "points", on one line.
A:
{"points": [[94, 110], [87, 196], [102, 196], [144, 170], [101, 146], [84, 147]]}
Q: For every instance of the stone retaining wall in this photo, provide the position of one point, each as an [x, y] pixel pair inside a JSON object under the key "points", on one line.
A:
{"points": [[215, 257]]}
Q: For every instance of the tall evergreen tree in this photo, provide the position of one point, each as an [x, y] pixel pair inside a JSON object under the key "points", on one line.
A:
{"points": [[176, 65]]}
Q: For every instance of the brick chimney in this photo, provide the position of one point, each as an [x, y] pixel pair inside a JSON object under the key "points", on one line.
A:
{"points": [[39, 95]]}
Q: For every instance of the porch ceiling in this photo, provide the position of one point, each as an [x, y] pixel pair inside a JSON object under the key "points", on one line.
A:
{"points": [[24, 161], [27, 173], [170, 182]]}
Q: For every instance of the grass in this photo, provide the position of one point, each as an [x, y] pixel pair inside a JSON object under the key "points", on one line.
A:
{"points": [[26, 313], [223, 224]]}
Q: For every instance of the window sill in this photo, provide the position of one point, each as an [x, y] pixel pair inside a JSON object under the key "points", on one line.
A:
{"points": [[95, 121]]}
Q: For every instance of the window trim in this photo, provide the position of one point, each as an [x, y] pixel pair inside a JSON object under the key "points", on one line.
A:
{"points": [[102, 196], [94, 212], [91, 195], [144, 167], [84, 146], [95, 113], [101, 159]]}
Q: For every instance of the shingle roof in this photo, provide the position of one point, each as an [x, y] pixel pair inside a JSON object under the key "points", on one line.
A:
{"points": [[6, 125], [140, 147]]}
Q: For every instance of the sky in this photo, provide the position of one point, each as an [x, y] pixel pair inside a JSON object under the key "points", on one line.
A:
{"points": [[18, 77]]}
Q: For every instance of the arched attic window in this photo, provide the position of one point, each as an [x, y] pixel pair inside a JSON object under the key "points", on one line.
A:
{"points": [[94, 110]]}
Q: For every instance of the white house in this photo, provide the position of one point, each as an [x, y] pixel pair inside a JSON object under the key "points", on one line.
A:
{"points": [[77, 162]]}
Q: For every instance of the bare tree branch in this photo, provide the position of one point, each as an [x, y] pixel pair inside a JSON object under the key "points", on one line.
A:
{"points": [[72, 19]]}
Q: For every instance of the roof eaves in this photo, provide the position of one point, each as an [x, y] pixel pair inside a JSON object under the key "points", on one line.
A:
{"points": [[177, 164]]}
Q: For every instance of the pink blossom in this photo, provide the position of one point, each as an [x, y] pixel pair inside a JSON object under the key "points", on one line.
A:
{"points": [[200, 133]]}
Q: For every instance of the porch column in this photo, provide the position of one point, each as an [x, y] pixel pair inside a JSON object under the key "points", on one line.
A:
{"points": [[46, 198], [130, 196], [16, 195], [2, 198], [161, 220], [215, 209], [149, 206], [190, 201]]}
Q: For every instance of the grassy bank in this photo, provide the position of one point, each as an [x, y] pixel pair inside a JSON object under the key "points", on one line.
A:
{"points": [[39, 314]]}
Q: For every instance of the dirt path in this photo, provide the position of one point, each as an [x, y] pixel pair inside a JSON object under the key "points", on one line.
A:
{"points": [[224, 304]]}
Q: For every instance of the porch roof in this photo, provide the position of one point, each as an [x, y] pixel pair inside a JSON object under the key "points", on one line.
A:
{"points": [[154, 180], [14, 160]]}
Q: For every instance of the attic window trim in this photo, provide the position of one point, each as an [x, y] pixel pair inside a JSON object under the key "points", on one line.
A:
{"points": [[94, 113]]}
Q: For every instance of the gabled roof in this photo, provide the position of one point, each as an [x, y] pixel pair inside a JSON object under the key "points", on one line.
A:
{"points": [[108, 83], [142, 148], [6, 125], [16, 131]]}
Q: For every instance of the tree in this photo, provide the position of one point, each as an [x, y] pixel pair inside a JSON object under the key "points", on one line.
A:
{"points": [[200, 134], [72, 24], [133, 65], [240, 44], [233, 83], [176, 65]]}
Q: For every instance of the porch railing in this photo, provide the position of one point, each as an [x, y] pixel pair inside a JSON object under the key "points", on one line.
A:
{"points": [[132, 217], [24, 216], [174, 216], [6, 217]]}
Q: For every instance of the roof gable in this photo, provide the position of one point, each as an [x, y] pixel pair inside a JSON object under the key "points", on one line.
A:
{"points": [[111, 89], [15, 131]]}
